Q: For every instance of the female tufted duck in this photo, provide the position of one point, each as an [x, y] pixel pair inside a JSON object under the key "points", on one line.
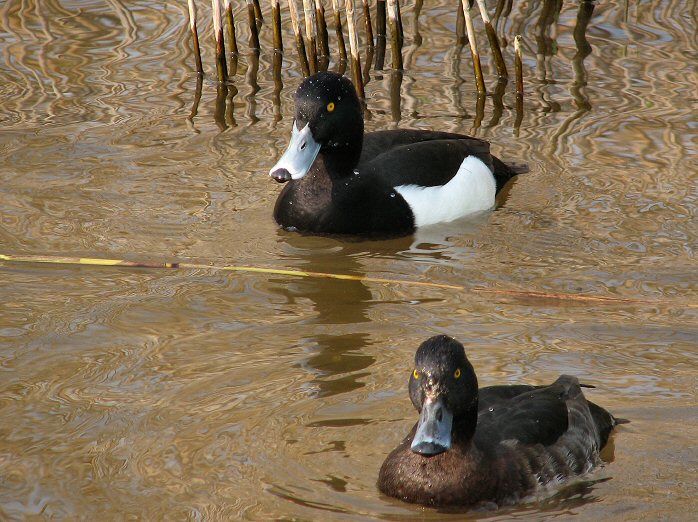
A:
{"points": [[496, 444], [384, 183]]}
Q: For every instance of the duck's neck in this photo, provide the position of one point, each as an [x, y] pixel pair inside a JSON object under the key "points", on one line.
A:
{"points": [[342, 156], [464, 425]]}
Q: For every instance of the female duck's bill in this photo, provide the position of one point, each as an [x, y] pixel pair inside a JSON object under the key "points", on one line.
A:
{"points": [[498, 444], [299, 156], [433, 435]]}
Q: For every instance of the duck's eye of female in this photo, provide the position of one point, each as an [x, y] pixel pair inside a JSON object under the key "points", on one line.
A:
{"points": [[330, 107], [457, 373], [415, 373]]}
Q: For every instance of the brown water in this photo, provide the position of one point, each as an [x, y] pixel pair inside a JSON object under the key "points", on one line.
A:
{"points": [[201, 394]]}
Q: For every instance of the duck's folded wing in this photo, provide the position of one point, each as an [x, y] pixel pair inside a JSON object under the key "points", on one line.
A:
{"points": [[539, 415], [418, 158]]}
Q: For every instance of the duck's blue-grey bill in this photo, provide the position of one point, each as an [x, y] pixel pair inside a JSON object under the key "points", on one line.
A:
{"points": [[299, 156], [433, 434]]}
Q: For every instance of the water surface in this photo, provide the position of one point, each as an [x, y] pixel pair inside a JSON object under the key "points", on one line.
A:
{"points": [[203, 394]]}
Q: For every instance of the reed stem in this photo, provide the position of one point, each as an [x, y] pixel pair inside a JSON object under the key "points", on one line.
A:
{"points": [[460, 26], [221, 65], [300, 46], [354, 47], [195, 37], [258, 12], [380, 18], [323, 37], [396, 44], [518, 65], [479, 79], [369, 28], [494, 41], [276, 25], [338, 31], [254, 34], [310, 33], [230, 27]]}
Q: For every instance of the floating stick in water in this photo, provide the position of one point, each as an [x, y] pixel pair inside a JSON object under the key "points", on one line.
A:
{"points": [[396, 44], [221, 65], [195, 37], [473, 47], [310, 33], [519, 65], [354, 47], [338, 31], [323, 38], [254, 34], [369, 28], [300, 46], [494, 41], [276, 25], [526, 294]]}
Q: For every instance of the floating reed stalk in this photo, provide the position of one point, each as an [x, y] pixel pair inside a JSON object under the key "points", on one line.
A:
{"points": [[300, 46], [310, 33], [396, 44], [258, 12], [195, 37], [380, 18], [254, 34], [520, 293], [473, 47], [221, 65], [276, 25], [369, 28], [519, 65], [354, 46], [323, 38], [230, 27], [494, 41], [338, 31]]}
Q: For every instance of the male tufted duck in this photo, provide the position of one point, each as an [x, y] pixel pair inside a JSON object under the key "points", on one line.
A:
{"points": [[386, 183], [497, 444]]}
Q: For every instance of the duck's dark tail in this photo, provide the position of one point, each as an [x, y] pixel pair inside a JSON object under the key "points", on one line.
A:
{"points": [[503, 172]]}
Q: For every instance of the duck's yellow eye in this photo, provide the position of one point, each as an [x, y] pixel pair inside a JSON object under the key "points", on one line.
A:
{"points": [[330, 107], [457, 373], [415, 373]]}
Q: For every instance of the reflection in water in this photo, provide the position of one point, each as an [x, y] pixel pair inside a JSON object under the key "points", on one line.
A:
{"points": [[251, 79], [586, 9], [278, 84], [335, 303], [221, 104], [395, 95]]}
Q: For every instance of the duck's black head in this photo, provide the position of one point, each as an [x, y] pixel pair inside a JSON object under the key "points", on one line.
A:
{"points": [[328, 121], [443, 388]]}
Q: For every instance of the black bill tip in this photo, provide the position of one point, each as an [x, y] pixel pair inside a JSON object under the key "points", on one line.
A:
{"points": [[428, 448], [281, 175]]}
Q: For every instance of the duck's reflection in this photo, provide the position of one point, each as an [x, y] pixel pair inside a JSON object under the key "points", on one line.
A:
{"points": [[335, 353], [334, 359]]}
